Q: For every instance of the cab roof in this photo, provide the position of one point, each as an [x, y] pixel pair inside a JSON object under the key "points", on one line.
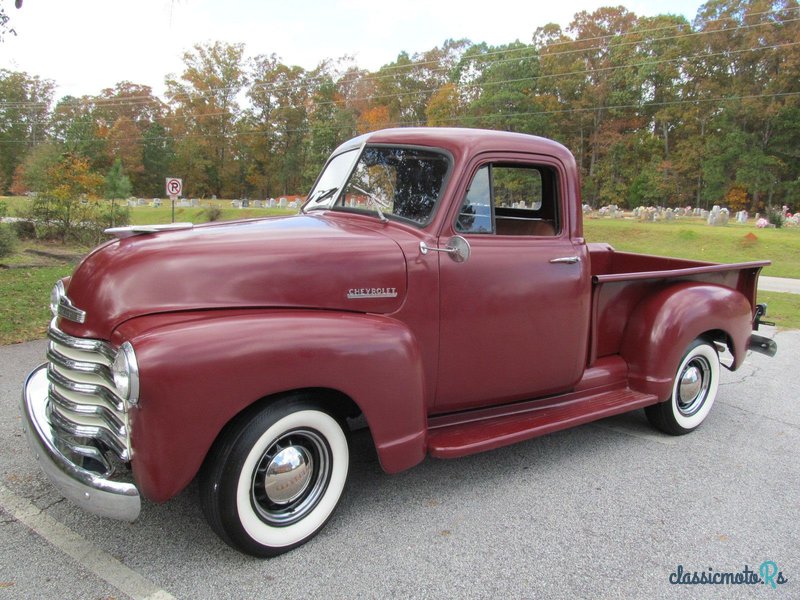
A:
{"points": [[462, 141]]}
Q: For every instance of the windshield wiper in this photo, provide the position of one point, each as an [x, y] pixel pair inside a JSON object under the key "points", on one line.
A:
{"points": [[323, 195], [376, 204]]}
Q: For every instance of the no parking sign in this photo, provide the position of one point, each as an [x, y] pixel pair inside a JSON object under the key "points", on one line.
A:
{"points": [[174, 187]]}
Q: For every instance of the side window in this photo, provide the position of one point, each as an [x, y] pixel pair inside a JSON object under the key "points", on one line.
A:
{"points": [[475, 215], [511, 199], [517, 188]]}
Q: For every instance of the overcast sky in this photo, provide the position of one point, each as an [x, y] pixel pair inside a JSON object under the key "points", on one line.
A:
{"points": [[88, 45]]}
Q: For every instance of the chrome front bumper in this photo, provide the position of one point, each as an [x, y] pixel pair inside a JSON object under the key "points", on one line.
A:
{"points": [[114, 499]]}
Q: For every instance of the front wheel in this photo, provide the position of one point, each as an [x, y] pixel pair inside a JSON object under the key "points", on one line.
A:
{"points": [[693, 391], [273, 480]]}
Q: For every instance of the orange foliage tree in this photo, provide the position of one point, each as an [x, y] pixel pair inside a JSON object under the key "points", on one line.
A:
{"points": [[374, 118], [68, 208], [737, 199]]}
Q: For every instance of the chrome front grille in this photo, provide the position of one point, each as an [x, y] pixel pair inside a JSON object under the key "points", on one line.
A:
{"points": [[88, 417]]}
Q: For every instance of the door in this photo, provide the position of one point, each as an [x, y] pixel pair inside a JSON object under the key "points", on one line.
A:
{"points": [[514, 317]]}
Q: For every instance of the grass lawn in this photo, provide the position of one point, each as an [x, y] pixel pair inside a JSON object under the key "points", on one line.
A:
{"points": [[783, 309], [24, 299], [694, 239], [148, 215], [40, 253]]}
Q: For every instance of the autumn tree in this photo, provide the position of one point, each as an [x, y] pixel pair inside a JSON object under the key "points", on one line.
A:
{"points": [[657, 110], [125, 143], [158, 156], [353, 87], [501, 88], [68, 206], [205, 113], [330, 123], [445, 107], [24, 104], [126, 113], [131, 101], [76, 126], [32, 174], [277, 122], [750, 66], [607, 87]]}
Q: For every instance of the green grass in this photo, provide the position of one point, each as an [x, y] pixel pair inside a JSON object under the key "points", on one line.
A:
{"points": [[40, 253], [15, 204], [783, 309], [24, 299], [148, 215], [694, 239]]}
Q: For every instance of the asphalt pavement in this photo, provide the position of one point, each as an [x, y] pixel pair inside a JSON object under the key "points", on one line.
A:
{"points": [[606, 510], [779, 284]]}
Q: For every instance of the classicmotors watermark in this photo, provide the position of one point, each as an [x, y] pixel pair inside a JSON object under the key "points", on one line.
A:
{"points": [[767, 574]]}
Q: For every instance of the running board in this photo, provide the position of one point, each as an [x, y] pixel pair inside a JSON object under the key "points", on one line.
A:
{"points": [[452, 438]]}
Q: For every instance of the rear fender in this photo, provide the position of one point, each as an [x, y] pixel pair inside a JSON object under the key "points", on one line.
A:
{"points": [[663, 325], [200, 370]]}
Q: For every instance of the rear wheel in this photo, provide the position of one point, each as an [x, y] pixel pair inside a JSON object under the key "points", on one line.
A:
{"points": [[693, 391], [272, 481]]}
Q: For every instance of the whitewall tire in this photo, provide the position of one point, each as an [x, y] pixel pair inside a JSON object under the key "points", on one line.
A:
{"points": [[274, 478], [693, 391]]}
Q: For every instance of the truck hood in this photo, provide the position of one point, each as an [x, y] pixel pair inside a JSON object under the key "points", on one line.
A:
{"points": [[287, 262]]}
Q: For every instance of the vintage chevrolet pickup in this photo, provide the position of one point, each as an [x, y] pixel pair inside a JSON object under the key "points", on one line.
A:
{"points": [[436, 283]]}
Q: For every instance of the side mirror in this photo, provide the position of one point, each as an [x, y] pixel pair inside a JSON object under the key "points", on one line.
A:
{"points": [[461, 249], [458, 248]]}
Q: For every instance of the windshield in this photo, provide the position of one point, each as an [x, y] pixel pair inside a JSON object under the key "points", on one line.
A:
{"points": [[393, 181], [331, 180]]}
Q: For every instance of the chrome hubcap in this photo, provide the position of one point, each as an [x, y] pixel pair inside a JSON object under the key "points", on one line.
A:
{"points": [[691, 382], [291, 477], [693, 386], [288, 475]]}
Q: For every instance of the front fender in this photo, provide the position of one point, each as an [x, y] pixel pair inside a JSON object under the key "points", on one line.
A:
{"points": [[664, 324], [199, 370]]}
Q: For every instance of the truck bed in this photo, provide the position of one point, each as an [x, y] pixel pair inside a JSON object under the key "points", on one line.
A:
{"points": [[621, 279]]}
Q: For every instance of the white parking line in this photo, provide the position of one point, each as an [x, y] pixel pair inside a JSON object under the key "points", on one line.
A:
{"points": [[93, 559]]}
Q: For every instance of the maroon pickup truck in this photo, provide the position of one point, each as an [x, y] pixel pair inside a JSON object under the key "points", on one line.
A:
{"points": [[436, 282]]}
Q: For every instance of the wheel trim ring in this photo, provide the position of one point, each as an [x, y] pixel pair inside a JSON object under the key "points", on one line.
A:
{"points": [[282, 515], [697, 366]]}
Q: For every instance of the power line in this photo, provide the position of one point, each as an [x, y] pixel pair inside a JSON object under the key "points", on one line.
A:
{"points": [[483, 85], [630, 33], [133, 100], [466, 118]]}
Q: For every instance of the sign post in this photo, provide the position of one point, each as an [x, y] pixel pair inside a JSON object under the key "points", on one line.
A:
{"points": [[174, 189]]}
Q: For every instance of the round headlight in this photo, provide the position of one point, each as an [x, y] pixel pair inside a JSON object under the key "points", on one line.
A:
{"points": [[125, 372], [55, 297]]}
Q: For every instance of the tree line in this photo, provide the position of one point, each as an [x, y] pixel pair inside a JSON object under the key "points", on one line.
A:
{"points": [[657, 110]]}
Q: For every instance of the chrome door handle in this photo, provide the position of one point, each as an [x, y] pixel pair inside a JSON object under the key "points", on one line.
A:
{"points": [[567, 260]]}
